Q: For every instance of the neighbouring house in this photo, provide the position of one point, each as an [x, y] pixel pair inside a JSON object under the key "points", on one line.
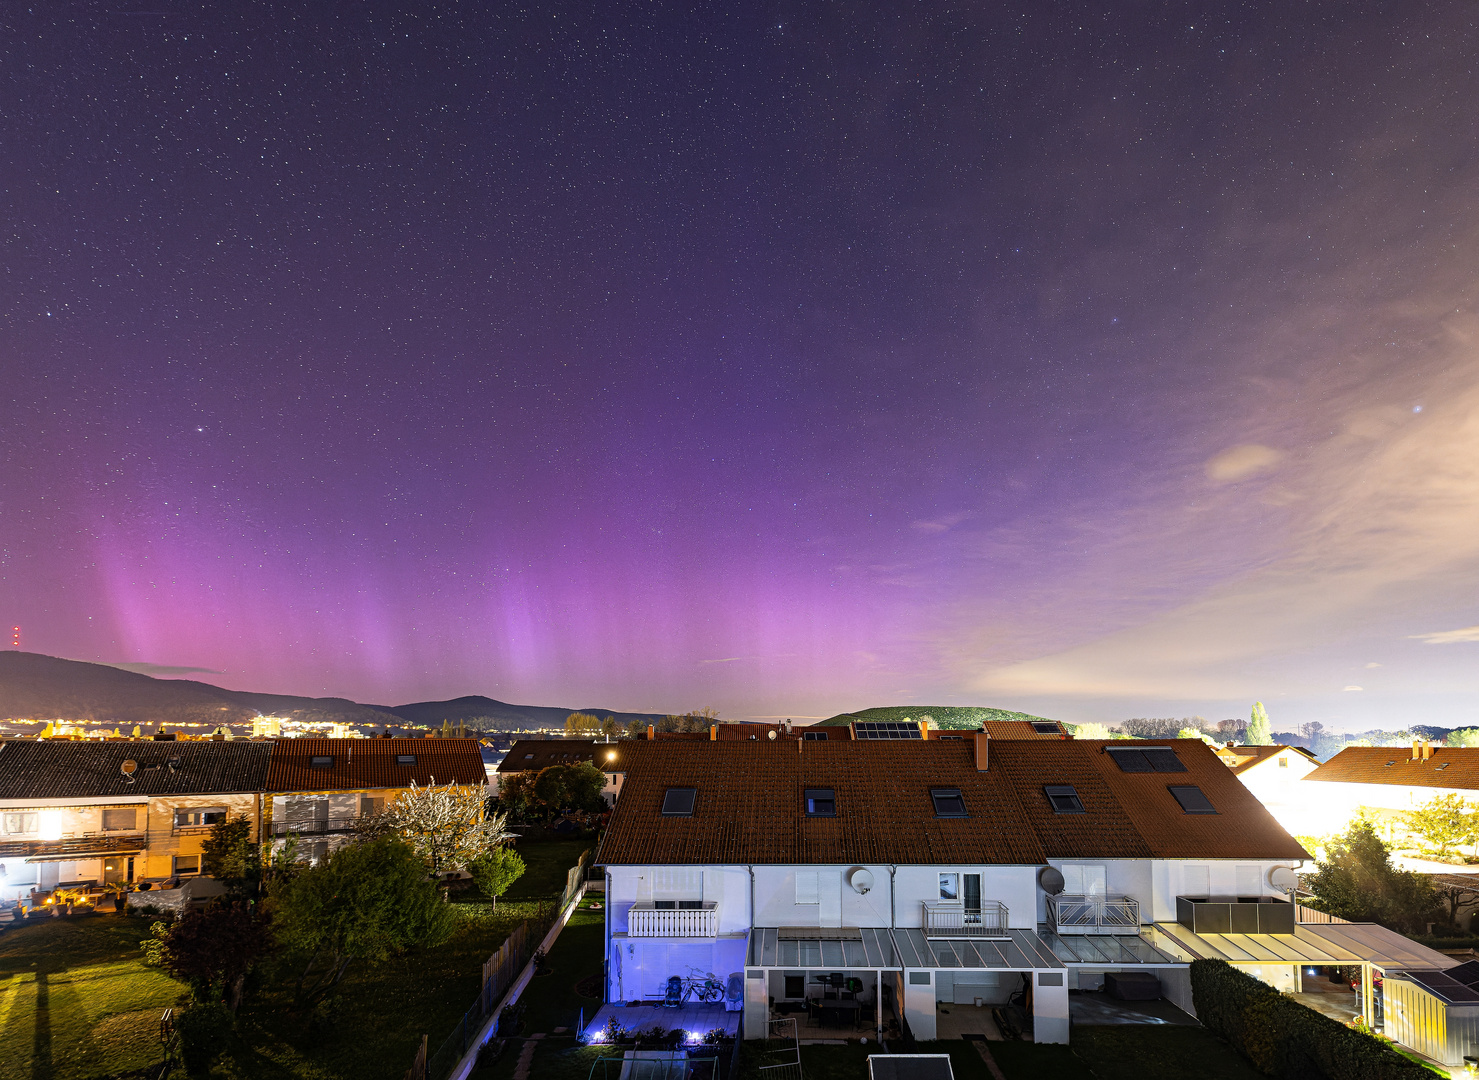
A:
{"points": [[80, 813], [319, 789], [534, 755], [1385, 782], [920, 882], [1273, 773]]}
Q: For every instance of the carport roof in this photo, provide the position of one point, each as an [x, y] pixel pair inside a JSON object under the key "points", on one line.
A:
{"points": [[1021, 950], [1311, 943]]}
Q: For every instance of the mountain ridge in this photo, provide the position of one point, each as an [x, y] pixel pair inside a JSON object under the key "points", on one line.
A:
{"points": [[34, 686]]}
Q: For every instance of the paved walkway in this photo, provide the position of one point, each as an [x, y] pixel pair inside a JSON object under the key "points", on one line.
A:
{"points": [[526, 1057]]}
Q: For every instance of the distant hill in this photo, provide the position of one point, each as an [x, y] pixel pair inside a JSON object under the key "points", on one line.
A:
{"points": [[944, 717], [39, 687], [476, 707]]}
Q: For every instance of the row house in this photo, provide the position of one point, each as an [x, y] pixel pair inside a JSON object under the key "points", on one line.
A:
{"points": [[88, 813], [535, 755], [1384, 783], [881, 879]]}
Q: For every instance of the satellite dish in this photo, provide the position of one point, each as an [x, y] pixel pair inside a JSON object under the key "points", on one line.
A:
{"points": [[1051, 880], [770, 734], [128, 768], [861, 880], [1281, 877]]}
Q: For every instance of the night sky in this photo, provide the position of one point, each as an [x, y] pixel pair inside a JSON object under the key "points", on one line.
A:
{"points": [[1100, 362]]}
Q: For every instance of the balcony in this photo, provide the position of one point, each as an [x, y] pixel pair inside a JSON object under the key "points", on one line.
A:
{"points": [[78, 846], [1235, 914], [646, 920], [1076, 913], [315, 826], [946, 920]]}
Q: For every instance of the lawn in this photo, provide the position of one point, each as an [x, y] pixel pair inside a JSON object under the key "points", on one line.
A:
{"points": [[77, 1003]]}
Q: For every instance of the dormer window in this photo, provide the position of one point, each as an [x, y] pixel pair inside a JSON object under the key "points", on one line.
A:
{"points": [[678, 801], [821, 802], [948, 802]]}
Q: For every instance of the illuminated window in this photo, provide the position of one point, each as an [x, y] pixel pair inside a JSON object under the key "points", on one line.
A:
{"points": [[198, 816], [22, 823]]}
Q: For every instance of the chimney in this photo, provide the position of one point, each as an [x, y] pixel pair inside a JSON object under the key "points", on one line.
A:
{"points": [[1427, 749], [924, 729], [651, 733], [713, 733], [1417, 750], [983, 751]]}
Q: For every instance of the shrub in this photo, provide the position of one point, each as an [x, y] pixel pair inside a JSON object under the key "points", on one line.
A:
{"points": [[1283, 1038], [203, 1029]]}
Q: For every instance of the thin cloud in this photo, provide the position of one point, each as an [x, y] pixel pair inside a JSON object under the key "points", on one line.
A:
{"points": [[1243, 463], [157, 670], [1350, 689], [1449, 637]]}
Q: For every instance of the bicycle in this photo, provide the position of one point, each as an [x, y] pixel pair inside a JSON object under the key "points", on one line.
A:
{"points": [[706, 989]]}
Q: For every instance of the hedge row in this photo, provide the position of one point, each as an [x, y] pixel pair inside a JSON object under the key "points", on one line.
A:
{"points": [[1285, 1039]]}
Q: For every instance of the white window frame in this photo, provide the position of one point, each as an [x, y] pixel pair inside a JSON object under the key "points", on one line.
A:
{"points": [[950, 888], [16, 823]]}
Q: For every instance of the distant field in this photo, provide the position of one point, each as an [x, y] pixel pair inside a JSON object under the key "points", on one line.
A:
{"points": [[945, 717]]}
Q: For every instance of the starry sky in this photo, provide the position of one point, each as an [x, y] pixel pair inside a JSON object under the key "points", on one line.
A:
{"points": [[1094, 361]]}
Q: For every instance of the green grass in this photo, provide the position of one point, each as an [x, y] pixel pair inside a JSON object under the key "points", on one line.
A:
{"points": [[99, 1006], [551, 1000], [75, 1001], [1126, 1052]]}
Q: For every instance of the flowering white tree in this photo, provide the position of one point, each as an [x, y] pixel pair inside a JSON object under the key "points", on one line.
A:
{"points": [[446, 825]]}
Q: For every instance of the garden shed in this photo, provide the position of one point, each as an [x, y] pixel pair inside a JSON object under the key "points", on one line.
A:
{"points": [[1435, 1013]]}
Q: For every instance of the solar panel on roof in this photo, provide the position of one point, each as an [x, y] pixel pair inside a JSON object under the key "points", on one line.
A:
{"points": [[1045, 728], [884, 729], [1468, 973], [1149, 759], [1444, 987]]}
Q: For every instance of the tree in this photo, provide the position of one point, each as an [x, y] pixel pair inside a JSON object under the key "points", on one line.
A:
{"points": [[1459, 893], [551, 789], [1444, 822], [1357, 882], [213, 951], [447, 826], [494, 871], [610, 728], [1091, 731], [229, 856], [1259, 733], [1231, 731], [1152, 728], [516, 791], [364, 902], [1312, 730], [582, 725], [1463, 737]]}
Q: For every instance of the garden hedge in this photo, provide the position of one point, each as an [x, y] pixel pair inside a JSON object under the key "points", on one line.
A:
{"points": [[1285, 1039]]}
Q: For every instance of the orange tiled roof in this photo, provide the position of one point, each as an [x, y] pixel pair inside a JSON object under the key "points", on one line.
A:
{"points": [[749, 805], [1449, 767], [371, 763], [1244, 758]]}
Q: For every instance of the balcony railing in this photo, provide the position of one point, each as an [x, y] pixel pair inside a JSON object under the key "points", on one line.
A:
{"points": [[946, 920], [1075, 913], [96, 844], [645, 920], [315, 826]]}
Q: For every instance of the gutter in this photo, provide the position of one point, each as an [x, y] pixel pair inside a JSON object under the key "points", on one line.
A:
{"points": [[892, 919], [751, 869]]}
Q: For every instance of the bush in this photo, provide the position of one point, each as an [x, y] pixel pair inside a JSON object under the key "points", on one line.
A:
{"points": [[1283, 1038], [203, 1030]]}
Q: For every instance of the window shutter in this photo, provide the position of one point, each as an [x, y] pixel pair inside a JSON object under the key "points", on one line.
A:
{"points": [[808, 890]]}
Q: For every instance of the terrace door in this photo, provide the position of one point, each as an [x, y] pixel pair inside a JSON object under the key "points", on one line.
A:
{"points": [[972, 896]]}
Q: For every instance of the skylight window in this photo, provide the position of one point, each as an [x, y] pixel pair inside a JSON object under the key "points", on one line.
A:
{"points": [[678, 801], [1191, 799], [405, 759], [1064, 799], [1149, 759], [317, 762], [811, 736], [948, 802], [821, 802]]}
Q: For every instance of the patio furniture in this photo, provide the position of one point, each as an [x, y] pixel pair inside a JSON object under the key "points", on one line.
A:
{"points": [[674, 997]]}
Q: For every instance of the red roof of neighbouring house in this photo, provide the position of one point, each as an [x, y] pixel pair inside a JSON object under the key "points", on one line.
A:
{"points": [[1448, 767], [373, 763]]}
